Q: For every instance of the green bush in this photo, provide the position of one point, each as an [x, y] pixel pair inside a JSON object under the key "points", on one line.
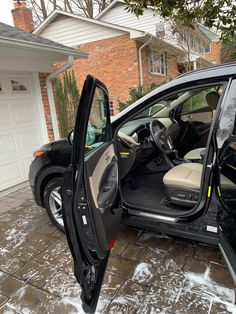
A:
{"points": [[67, 100], [136, 93]]}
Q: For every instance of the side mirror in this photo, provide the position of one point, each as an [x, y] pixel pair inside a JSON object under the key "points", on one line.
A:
{"points": [[70, 137]]}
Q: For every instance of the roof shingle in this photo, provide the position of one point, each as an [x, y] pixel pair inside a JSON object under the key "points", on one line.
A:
{"points": [[10, 32]]}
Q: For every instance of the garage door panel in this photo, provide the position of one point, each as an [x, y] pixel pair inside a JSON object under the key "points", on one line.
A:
{"points": [[24, 113], [29, 139], [7, 145], [9, 174], [5, 118], [20, 127], [25, 166]]}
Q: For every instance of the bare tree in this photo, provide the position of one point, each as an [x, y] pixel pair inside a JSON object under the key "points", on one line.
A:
{"points": [[89, 8], [185, 39]]}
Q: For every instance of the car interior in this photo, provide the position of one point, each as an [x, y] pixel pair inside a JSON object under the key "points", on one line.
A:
{"points": [[162, 150]]}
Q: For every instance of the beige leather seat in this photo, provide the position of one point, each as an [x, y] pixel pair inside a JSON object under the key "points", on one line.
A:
{"points": [[197, 154], [183, 182]]}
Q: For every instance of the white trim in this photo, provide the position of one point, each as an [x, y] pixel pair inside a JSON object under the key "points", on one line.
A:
{"points": [[133, 32], [161, 65], [40, 107], [23, 43], [110, 6]]}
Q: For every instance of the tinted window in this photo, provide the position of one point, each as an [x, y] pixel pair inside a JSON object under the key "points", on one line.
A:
{"points": [[96, 129]]}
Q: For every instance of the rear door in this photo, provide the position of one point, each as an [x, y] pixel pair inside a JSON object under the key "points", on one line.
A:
{"points": [[90, 192], [226, 180]]}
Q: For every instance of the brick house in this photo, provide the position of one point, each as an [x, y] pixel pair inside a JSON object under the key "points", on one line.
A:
{"points": [[125, 51], [27, 111]]}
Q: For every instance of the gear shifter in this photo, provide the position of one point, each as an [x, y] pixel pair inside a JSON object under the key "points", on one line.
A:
{"points": [[176, 159], [175, 154]]}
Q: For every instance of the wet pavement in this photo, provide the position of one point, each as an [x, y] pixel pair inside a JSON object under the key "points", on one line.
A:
{"points": [[146, 273]]}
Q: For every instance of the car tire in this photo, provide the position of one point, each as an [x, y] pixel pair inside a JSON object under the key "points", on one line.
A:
{"points": [[52, 202]]}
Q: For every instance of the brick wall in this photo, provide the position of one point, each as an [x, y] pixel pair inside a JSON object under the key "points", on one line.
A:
{"points": [[214, 55], [42, 80], [114, 61]]}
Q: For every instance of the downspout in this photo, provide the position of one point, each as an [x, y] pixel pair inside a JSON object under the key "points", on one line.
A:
{"points": [[51, 100], [140, 61]]}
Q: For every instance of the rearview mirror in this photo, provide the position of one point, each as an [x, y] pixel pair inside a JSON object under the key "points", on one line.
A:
{"points": [[70, 137]]}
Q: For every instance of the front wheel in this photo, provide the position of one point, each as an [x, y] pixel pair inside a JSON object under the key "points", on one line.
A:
{"points": [[53, 202]]}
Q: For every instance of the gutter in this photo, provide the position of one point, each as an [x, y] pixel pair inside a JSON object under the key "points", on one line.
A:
{"points": [[34, 45], [140, 61], [51, 100]]}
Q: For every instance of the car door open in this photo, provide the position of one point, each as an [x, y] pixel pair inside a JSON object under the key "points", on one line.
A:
{"points": [[226, 180], [90, 192]]}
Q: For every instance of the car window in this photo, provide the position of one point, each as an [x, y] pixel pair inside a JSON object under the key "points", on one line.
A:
{"points": [[199, 100], [96, 129]]}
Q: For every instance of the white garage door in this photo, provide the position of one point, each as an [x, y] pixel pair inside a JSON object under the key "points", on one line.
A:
{"points": [[20, 127]]}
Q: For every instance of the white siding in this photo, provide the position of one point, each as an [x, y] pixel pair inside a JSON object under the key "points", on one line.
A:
{"points": [[118, 15], [73, 32], [146, 22]]}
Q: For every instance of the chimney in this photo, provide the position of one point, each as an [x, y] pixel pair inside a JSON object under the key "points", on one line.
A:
{"points": [[22, 16]]}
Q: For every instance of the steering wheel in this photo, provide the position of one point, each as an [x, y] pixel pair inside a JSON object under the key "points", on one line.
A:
{"points": [[161, 137]]}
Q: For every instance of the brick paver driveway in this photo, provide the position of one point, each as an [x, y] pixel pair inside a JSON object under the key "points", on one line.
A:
{"points": [[146, 273]]}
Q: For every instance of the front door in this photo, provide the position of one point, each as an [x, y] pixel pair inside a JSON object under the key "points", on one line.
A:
{"points": [[226, 179], [90, 192]]}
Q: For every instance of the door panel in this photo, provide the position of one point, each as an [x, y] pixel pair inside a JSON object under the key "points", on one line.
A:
{"points": [[226, 180], [95, 178], [90, 192], [204, 117]]}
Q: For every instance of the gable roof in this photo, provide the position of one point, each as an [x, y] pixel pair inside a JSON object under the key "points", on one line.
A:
{"points": [[110, 6], [208, 33], [10, 34], [133, 32]]}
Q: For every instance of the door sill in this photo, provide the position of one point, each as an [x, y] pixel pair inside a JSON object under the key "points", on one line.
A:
{"points": [[163, 218]]}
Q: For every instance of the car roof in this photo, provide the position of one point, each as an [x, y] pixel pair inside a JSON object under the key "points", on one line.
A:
{"points": [[216, 71]]}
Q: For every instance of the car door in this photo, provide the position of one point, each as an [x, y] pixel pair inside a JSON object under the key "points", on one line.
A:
{"points": [[195, 116], [226, 180], [90, 192]]}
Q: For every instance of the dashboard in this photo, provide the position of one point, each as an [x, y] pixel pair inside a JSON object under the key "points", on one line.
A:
{"points": [[139, 129], [135, 147]]}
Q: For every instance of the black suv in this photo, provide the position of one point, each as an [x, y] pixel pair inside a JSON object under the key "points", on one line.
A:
{"points": [[166, 163]]}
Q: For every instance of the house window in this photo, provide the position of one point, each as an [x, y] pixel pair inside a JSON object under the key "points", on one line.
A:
{"points": [[157, 62], [207, 48]]}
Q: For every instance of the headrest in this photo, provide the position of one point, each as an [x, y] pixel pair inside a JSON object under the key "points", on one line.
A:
{"points": [[212, 99]]}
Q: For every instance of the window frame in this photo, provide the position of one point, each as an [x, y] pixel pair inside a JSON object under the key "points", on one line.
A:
{"points": [[151, 62]]}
